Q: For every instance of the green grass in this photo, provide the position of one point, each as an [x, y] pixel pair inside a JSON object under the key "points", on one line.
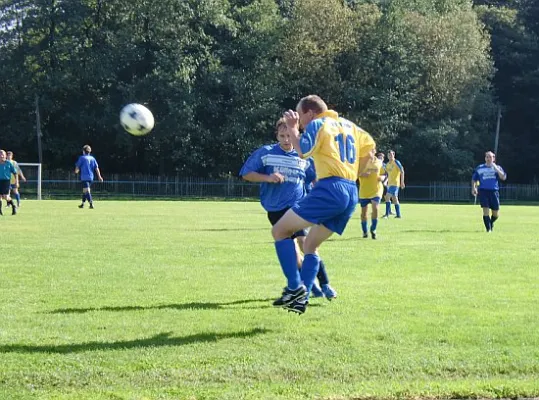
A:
{"points": [[172, 300]]}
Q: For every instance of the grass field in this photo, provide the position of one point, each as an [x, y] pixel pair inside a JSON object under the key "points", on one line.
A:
{"points": [[172, 300]]}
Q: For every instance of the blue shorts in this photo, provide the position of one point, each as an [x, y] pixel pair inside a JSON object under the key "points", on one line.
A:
{"points": [[331, 203], [393, 191], [366, 202], [86, 184], [489, 199], [13, 186]]}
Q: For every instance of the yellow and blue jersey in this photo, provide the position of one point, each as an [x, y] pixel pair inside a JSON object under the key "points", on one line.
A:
{"points": [[336, 145], [370, 186], [13, 179], [394, 170]]}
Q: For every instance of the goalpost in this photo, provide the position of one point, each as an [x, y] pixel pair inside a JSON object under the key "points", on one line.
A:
{"points": [[38, 165]]}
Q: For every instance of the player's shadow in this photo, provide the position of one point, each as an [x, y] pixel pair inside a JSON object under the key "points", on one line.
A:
{"points": [[438, 231], [227, 229], [159, 340], [181, 306]]}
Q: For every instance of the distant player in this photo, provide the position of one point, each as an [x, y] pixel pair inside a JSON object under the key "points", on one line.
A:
{"points": [[488, 176], [284, 179], [381, 156], [14, 183], [7, 170], [395, 180], [370, 192], [340, 149], [87, 166]]}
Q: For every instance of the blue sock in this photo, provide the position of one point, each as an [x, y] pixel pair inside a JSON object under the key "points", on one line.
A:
{"points": [[374, 224], [286, 252], [398, 209], [364, 226], [18, 198], [89, 196], [487, 222], [322, 274], [309, 269], [83, 198], [388, 207]]}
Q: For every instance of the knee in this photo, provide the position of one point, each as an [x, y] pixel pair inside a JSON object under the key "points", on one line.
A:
{"points": [[279, 233]]}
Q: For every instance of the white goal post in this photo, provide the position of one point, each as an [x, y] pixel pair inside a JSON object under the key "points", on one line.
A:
{"points": [[38, 165]]}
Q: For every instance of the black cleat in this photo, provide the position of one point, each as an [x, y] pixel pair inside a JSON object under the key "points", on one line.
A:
{"points": [[91, 206], [297, 306], [373, 235], [365, 235], [81, 206], [14, 210], [289, 296]]}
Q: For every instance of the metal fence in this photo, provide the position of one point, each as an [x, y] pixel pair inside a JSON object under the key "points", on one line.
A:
{"points": [[56, 185]]}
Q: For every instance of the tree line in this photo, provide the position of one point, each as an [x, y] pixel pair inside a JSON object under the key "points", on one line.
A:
{"points": [[425, 77]]}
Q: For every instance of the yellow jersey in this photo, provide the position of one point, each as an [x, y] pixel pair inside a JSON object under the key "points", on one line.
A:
{"points": [[394, 170], [336, 145], [370, 186], [13, 179]]}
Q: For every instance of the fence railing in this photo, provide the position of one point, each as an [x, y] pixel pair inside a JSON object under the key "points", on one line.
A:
{"points": [[56, 185]]}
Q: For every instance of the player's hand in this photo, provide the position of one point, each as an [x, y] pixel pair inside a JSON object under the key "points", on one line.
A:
{"points": [[403, 185], [24, 180], [292, 119], [100, 179], [275, 178], [474, 191]]}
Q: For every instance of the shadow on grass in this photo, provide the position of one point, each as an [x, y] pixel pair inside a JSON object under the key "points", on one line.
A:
{"points": [[439, 231], [184, 306], [159, 340], [229, 229]]}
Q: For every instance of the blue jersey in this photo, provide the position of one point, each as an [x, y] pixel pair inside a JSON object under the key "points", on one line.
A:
{"points": [[87, 165], [487, 177], [296, 172], [7, 169]]}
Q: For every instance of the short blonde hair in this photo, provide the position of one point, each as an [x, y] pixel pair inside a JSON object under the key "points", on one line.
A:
{"points": [[312, 103], [280, 122]]}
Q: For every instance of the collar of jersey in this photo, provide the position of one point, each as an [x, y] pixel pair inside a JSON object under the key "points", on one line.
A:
{"points": [[328, 113]]}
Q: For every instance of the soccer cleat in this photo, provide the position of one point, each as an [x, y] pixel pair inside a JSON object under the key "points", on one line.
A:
{"points": [[290, 296], [297, 306], [14, 210], [316, 291], [397, 216], [385, 216], [329, 292], [365, 235], [373, 235], [91, 206], [81, 206]]}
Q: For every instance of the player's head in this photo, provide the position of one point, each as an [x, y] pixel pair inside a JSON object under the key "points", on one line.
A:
{"points": [[309, 107], [9, 155], [381, 156], [490, 157], [391, 155], [3, 156], [283, 136], [86, 149]]}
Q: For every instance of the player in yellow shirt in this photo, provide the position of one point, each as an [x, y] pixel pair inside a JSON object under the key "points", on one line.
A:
{"points": [[395, 176], [340, 149], [370, 191]]}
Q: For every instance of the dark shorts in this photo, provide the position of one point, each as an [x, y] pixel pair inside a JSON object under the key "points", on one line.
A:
{"points": [[4, 187], [489, 199], [13, 186], [86, 184], [275, 216]]}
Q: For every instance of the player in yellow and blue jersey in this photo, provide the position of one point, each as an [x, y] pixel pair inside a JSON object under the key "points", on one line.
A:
{"points": [[370, 191], [7, 170], [395, 180], [487, 177], [14, 184], [285, 179], [340, 149]]}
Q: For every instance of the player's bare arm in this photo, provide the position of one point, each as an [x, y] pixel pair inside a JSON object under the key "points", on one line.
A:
{"points": [[292, 123], [500, 172], [257, 177], [474, 188], [402, 179], [98, 172]]}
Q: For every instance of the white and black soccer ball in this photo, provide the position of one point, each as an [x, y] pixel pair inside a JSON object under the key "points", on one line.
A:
{"points": [[136, 119]]}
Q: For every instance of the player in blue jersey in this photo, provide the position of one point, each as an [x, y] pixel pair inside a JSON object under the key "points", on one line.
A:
{"points": [[340, 149], [7, 170], [285, 179], [395, 180], [488, 175], [14, 184], [87, 166]]}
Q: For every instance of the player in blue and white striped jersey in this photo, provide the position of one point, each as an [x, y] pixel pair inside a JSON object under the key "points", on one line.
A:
{"points": [[284, 178]]}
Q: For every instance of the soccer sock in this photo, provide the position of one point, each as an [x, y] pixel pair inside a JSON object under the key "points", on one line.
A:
{"points": [[492, 220], [83, 198], [388, 207], [398, 209], [286, 253], [89, 196], [9, 203], [364, 226], [486, 221], [322, 274], [311, 265], [18, 197], [374, 224]]}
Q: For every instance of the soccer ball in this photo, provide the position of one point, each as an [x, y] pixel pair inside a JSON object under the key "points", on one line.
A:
{"points": [[136, 119]]}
